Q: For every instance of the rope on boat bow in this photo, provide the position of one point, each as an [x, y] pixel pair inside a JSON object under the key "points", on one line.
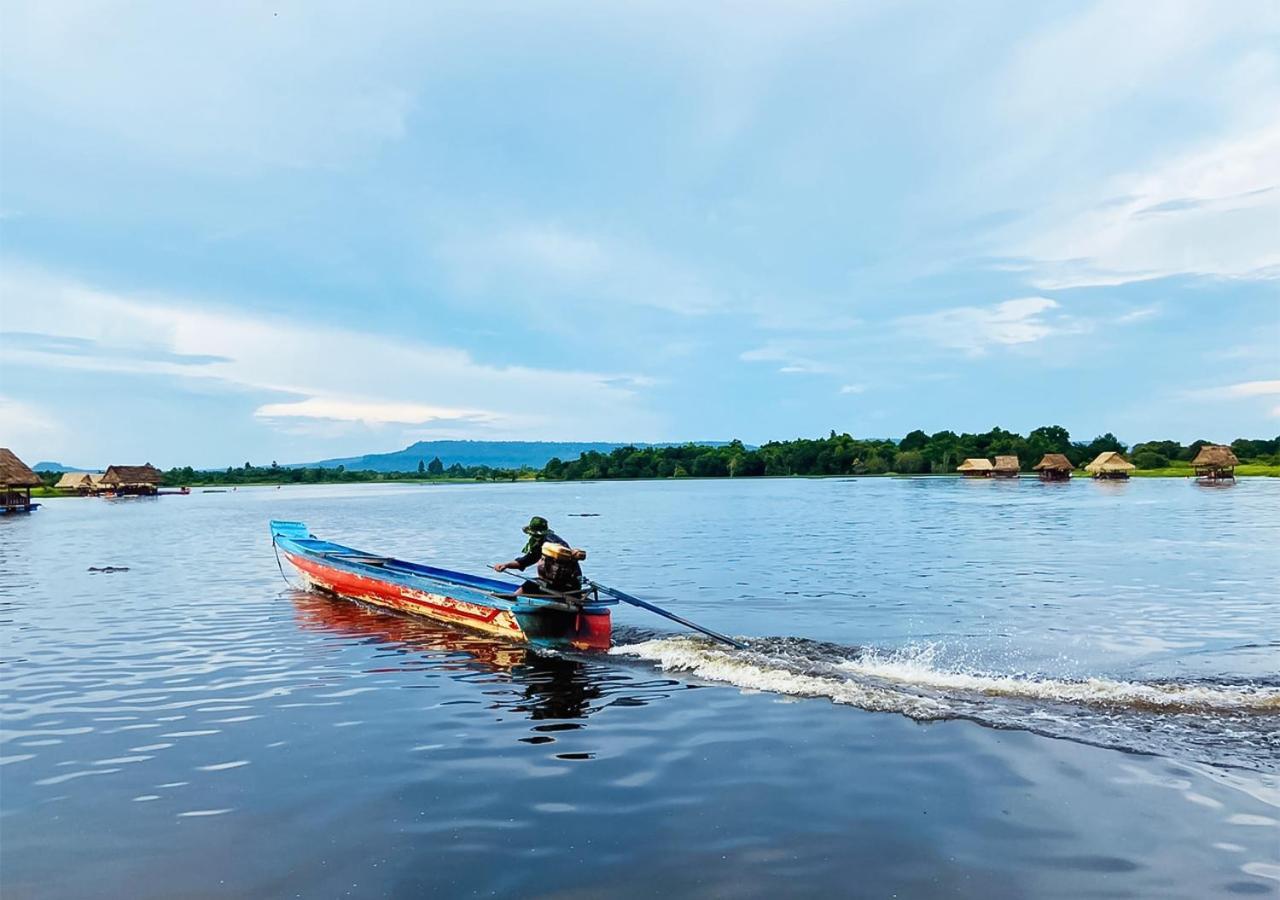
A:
{"points": [[279, 565]]}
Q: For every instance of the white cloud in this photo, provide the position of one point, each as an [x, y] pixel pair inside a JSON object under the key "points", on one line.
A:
{"points": [[791, 355], [976, 329], [1138, 315], [325, 373], [1215, 212], [1243, 389], [370, 412], [26, 425], [853, 388], [1252, 389]]}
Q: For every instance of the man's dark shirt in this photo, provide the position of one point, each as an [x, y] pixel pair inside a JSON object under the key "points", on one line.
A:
{"points": [[562, 575]]}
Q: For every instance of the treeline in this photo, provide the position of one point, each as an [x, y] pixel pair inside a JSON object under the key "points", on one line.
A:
{"points": [[916, 454], [278, 474], [837, 454]]}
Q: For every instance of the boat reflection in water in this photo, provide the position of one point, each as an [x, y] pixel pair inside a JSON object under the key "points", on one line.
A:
{"points": [[543, 686]]}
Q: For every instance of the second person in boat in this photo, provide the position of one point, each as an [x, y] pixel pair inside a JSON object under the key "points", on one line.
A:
{"points": [[558, 563]]}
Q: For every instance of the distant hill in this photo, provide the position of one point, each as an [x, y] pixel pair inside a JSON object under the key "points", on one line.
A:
{"points": [[498, 454], [46, 466]]}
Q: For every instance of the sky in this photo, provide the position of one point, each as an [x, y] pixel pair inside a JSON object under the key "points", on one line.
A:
{"points": [[293, 230]]}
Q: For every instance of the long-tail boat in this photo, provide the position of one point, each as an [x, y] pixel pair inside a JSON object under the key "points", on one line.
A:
{"points": [[471, 601]]}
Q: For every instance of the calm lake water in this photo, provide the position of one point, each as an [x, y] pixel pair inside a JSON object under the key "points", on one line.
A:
{"points": [[970, 689]]}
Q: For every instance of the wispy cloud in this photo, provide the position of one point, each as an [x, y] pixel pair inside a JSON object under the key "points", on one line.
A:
{"points": [[1241, 390], [370, 412], [1141, 314], [1211, 213], [321, 373], [853, 388], [790, 356], [1252, 389], [26, 425], [977, 329]]}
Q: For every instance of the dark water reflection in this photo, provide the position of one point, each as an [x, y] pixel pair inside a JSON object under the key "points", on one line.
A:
{"points": [[537, 685], [191, 727]]}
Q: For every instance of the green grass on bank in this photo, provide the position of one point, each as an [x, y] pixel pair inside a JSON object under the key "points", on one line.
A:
{"points": [[1247, 469]]}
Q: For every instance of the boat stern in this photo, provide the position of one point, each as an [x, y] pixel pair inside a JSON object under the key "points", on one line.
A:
{"points": [[588, 628], [594, 630]]}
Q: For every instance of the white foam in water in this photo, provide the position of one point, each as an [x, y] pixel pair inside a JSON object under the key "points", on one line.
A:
{"points": [[914, 671], [915, 668], [687, 655]]}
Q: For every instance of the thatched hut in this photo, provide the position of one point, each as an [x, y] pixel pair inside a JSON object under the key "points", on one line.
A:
{"points": [[144, 479], [975, 468], [1215, 463], [1110, 465], [79, 482], [1006, 467], [16, 482], [1054, 467]]}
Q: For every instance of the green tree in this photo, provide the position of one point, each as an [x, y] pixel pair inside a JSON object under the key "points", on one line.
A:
{"points": [[909, 462], [1149, 459], [422, 467], [915, 440], [1106, 442], [435, 467]]}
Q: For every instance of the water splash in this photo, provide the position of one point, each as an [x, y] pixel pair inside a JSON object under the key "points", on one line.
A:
{"points": [[1218, 722]]}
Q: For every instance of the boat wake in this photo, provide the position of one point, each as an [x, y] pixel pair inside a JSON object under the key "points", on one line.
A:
{"points": [[1222, 723]]}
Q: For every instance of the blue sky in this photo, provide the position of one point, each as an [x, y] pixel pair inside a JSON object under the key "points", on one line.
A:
{"points": [[296, 230]]}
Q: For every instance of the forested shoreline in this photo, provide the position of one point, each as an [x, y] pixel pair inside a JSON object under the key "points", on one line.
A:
{"points": [[917, 453]]}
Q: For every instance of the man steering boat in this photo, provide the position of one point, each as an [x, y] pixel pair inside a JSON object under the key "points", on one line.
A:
{"points": [[559, 571]]}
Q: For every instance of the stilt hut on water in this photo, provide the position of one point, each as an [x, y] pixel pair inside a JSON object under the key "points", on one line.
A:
{"points": [[1110, 465], [80, 482], [133, 479], [16, 482], [975, 468], [72, 481], [1215, 463], [1054, 467], [1006, 467]]}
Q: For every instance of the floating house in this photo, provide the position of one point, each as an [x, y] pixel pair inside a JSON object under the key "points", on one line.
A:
{"points": [[1006, 467], [16, 482], [132, 479], [1054, 467], [83, 483], [1215, 463], [975, 468], [1110, 465], [72, 481]]}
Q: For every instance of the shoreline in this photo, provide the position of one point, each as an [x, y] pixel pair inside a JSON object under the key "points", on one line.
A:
{"points": [[1256, 471]]}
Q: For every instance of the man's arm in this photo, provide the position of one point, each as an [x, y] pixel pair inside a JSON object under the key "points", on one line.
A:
{"points": [[520, 562]]}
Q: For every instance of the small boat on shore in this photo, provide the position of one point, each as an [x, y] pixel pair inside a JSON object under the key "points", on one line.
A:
{"points": [[471, 601]]}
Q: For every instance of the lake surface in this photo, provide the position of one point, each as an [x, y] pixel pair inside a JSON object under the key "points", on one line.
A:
{"points": [[970, 689]]}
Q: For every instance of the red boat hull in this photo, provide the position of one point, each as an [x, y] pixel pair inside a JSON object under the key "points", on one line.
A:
{"points": [[585, 631]]}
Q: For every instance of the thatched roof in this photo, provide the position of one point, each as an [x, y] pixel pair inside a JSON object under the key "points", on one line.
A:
{"points": [[1054, 462], [14, 472], [71, 481], [975, 465], [1215, 456], [1007, 464], [1110, 461], [118, 475]]}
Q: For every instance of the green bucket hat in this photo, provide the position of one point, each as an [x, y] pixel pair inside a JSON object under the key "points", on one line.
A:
{"points": [[537, 525]]}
